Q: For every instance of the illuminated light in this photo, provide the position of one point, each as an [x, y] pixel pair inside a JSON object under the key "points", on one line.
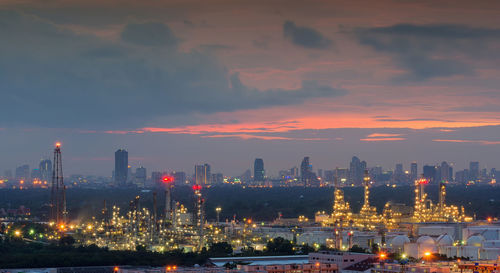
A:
{"points": [[196, 187], [32, 231], [58, 144], [403, 256], [168, 179], [174, 267], [116, 269], [382, 255], [169, 268], [17, 233], [317, 264], [427, 254], [489, 219], [249, 221]]}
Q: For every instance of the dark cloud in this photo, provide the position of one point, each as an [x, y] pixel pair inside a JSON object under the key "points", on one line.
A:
{"points": [[52, 77], [429, 51], [149, 34], [305, 36]]}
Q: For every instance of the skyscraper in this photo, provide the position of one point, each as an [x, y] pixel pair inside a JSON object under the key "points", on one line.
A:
{"points": [[202, 174], [356, 171], [121, 167], [398, 174], [473, 170], [307, 176], [413, 172], [140, 176], [45, 170], [430, 173], [445, 172], [23, 172], [258, 170]]}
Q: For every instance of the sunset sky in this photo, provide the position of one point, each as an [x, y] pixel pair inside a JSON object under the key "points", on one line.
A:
{"points": [[182, 82]]}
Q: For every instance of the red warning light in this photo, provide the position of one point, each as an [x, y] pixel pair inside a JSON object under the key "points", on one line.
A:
{"points": [[58, 144], [423, 181], [168, 179], [196, 187]]}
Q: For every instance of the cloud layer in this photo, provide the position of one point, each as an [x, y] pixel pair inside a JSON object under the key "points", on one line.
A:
{"points": [[305, 36], [53, 77], [431, 51]]}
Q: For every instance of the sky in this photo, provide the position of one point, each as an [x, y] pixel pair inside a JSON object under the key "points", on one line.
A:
{"points": [[183, 82]]}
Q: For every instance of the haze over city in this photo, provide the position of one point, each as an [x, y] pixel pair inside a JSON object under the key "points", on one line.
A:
{"points": [[229, 81]]}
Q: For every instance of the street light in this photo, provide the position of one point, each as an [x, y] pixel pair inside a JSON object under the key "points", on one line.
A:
{"points": [[218, 210]]}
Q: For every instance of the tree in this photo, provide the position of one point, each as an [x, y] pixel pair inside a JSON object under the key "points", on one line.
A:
{"points": [[220, 249], [358, 249], [279, 246], [375, 248], [67, 241]]}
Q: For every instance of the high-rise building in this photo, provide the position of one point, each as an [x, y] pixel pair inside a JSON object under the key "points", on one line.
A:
{"points": [[320, 173], [121, 167], [307, 176], [413, 172], [23, 172], [356, 171], [474, 171], [179, 178], [398, 175], [258, 170], [140, 176], [294, 172], [430, 173], [202, 174], [7, 173], [35, 174], [156, 178], [217, 178], [45, 170], [445, 172]]}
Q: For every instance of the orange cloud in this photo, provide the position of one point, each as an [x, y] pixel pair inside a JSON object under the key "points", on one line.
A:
{"points": [[383, 135], [482, 142], [384, 139]]}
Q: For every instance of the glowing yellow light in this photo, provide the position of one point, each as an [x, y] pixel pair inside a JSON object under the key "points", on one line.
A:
{"points": [[427, 254], [403, 256], [58, 144], [17, 233]]}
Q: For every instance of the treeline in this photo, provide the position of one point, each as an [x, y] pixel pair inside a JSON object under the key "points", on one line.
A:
{"points": [[260, 204], [19, 254]]}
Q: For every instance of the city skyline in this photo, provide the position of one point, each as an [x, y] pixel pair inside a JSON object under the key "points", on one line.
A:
{"points": [[227, 82], [355, 168]]}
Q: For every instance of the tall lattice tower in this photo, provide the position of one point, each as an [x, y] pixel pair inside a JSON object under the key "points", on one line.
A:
{"points": [[58, 192]]}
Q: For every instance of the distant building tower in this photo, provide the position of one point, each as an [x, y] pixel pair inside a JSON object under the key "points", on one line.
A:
{"points": [[179, 178], [156, 178], [413, 172], [258, 170], [398, 173], [445, 172], [140, 176], [356, 171], [473, 171], [45, 170], [23, 172], [430, 173], [202, 174], [305, 169], [121, 167], [307, 176], [294, 172]]}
